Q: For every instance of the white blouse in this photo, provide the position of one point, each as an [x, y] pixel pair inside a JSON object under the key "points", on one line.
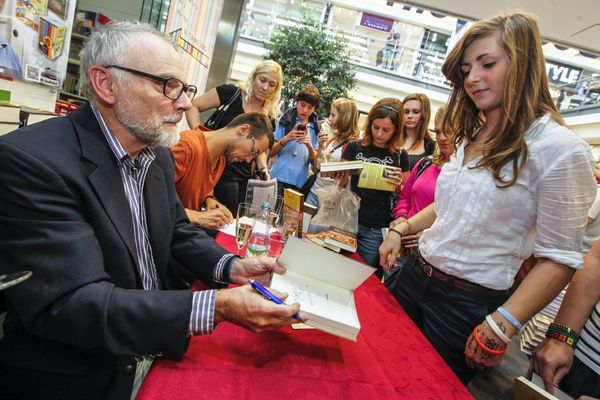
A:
{"points": [[483, 233]]}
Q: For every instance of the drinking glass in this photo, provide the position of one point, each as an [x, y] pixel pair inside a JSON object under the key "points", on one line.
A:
{"points": [[9, 280], [246, 213], [276, 202], [276, 244]]}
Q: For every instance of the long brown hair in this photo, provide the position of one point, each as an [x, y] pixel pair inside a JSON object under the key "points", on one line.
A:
{"points": [[391, 108], [526, 94], [347, 120], [439, 158], [423, 127]]}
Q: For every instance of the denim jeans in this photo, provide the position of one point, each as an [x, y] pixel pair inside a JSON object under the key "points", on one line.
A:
{"points": [[446, 315], [369, 240]]}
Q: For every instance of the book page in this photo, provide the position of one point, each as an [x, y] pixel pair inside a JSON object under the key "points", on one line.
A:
{"points": [[318, 298], [320, 264]]}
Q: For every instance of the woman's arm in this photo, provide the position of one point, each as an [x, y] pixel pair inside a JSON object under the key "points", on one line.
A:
{"points": [[201, 103], [391, 246], [553, 359]]}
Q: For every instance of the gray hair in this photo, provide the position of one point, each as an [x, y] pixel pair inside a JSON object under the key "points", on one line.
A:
{"points": [[111, 45]]}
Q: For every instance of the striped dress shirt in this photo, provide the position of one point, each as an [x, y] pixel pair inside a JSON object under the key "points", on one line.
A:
{"points": [[133, 175]]}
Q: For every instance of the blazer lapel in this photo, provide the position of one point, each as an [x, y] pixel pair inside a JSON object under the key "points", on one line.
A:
{"points": [[105, 178], [157, 217]]}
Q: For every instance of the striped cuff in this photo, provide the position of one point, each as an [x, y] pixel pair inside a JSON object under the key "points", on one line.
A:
{"points": [[221, 272], [202, 320]]}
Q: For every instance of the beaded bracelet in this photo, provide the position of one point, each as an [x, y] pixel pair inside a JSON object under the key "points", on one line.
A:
{"points": [[562, 334], [490, 321], [486, 349], [513, 321]]}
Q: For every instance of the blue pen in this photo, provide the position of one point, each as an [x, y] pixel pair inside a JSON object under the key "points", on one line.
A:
{"points": [[260, 289]]}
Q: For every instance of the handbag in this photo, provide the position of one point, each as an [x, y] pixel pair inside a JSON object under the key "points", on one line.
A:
{"points": [[214, 122]]}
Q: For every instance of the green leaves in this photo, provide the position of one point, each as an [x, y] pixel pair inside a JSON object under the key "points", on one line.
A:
{"points": [[309, 53]]}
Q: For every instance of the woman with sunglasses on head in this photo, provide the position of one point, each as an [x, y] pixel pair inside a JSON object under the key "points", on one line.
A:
{"points": [[381, 144], [416, 138], [261, 92], [343, 119], [520, 184]]}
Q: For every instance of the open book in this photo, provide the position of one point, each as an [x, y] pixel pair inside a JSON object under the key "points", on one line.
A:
{"points": [[351, 166], [323, 283]]}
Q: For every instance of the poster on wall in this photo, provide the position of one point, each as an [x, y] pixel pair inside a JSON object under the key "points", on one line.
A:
{"points": [[34, 40], [193, 27]]}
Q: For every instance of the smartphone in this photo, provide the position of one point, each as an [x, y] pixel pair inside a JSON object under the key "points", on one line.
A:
{"points": [[301, 127]]}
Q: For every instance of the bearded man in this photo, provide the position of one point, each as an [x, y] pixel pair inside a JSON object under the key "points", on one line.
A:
{"points": [[88, 203]]}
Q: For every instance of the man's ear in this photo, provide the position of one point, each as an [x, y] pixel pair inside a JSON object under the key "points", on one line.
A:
{"points": [[103, 84], [243, 130]]}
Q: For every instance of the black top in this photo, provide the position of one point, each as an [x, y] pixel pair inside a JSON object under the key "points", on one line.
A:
{"points": [[238, 171], [375, 211], [413, 159]]}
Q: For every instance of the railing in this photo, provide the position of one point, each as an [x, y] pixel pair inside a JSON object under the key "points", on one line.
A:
{"points": [[405, 61]]}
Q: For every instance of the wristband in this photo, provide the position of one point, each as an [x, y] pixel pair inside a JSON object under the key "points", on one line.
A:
{"points": [[492, 324], [486, 349], [513, 321], [562, 334]]}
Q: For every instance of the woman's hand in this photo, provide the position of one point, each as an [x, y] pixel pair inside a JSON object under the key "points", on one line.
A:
{"points": [[389, 250], [483, 358], [394, 176], [552, 360]]}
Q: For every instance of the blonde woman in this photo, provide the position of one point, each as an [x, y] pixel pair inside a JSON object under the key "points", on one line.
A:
{"points": [[416, 138], [261, 92], [343, 119], [521, 183]]}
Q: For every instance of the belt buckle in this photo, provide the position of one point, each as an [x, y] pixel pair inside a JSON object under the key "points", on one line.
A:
{"points": [[428, 270]]}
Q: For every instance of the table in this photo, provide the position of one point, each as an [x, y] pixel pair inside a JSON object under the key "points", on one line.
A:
{"points": [[391, 360]]}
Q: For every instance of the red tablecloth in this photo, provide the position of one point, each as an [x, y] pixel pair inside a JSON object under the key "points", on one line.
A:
{"points": [[391, 360]]}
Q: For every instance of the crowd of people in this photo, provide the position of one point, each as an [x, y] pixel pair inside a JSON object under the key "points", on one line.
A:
{"points": [[113, 208]]}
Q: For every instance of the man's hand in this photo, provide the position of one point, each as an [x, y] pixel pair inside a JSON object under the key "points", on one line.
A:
{"points": [[552, 360], [212, 203], [211, 219], [259, 268], [244, 307]]}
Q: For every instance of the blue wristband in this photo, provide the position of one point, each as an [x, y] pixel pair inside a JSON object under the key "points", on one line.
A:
{"points": [[513, 321]]}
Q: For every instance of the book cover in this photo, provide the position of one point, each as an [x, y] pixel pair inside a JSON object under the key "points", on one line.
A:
{"points": [[351, 166], [341, 238], [326, 295], [319, 239], [374, 176], [292, 212]]}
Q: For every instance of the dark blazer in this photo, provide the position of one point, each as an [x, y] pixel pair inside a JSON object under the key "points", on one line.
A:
{"points": [[83, 315]]}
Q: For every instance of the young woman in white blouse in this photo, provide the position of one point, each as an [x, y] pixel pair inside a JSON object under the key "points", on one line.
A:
{"points": [[520, 184]]}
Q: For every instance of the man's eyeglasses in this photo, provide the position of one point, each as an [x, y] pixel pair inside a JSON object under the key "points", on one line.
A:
{"points": [[254, 148], [173, 88]]}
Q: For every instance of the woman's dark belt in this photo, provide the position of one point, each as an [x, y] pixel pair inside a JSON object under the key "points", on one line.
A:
{"points": [[453, 281]]}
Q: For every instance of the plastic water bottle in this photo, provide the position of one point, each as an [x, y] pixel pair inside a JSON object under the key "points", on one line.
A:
{"points": [[258, 243]]}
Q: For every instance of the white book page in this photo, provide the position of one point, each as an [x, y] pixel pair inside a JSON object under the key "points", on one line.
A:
{"points": [[318, 298]]}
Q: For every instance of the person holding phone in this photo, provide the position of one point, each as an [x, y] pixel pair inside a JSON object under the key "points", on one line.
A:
{"points": [[296, 140]]}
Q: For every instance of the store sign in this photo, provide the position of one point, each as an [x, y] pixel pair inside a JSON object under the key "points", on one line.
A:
{"points": [[377, 22], [561, 74]]}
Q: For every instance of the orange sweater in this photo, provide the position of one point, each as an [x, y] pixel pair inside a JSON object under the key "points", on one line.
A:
{"points": [[194, 179]]}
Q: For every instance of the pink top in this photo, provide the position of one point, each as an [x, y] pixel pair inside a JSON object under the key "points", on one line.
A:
{"points": [[417, 194]]}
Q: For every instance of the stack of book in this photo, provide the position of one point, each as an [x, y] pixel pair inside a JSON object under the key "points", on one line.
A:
{"points": [[534, 331]]}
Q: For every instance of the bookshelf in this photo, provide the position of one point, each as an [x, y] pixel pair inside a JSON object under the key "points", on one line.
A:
{"points": [[84, 23]]}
